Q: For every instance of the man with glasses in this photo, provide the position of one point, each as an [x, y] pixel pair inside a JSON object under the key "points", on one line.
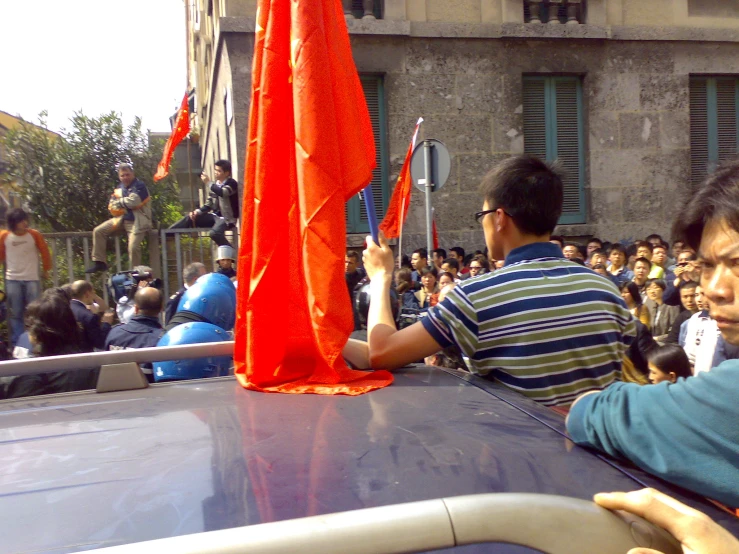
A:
{"points": [[542, 326]]}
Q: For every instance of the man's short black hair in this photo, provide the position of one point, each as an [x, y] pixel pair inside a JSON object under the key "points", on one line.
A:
{"points": [[643, 244], [353, 255], [440, 252], [529, 190], [659, 282], [452, 263], [422, 252], [644, 261], [687, 285], [716, 198], [14, 217], [618, 247], [653, 236], [225, 165], [595, 239], [599, 252], [458, 250], [560, 240]]}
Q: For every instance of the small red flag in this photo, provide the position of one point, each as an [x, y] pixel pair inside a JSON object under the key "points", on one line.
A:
{"points": [[397, 208], [180, 131], [309, 149], [436, 234]]}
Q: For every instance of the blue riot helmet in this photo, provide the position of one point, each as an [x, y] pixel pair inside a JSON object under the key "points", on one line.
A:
{"points": [[193, 333], [213, 298]]}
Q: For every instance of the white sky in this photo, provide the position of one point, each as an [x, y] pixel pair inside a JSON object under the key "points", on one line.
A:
{"points": [[94, 55]]}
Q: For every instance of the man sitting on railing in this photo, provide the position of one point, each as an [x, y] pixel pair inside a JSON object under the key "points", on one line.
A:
{"points": [[131, 210], [221, 210]]}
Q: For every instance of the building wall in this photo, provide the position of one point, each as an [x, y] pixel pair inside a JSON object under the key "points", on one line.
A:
{"points": [[460, 64]]}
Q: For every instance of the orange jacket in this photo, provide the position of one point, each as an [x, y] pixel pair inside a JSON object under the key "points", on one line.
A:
{"points": [[38, 238]]}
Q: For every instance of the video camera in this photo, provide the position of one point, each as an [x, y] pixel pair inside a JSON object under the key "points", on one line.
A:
{"points": [[126, 283]]}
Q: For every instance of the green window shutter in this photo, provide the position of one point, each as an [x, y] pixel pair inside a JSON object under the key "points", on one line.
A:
{"points": [[356, 214], [714, 111], [698, 129], [726, 91], [553, 130]]}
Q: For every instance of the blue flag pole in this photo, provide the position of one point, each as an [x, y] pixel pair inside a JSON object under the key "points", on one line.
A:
{"points": [[371, 215]]}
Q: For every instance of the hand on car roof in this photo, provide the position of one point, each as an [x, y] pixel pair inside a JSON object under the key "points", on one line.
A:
{"points": [[697, 532]]}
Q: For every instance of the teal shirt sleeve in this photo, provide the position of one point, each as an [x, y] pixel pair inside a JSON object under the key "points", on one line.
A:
{"points": [[686, 433]]}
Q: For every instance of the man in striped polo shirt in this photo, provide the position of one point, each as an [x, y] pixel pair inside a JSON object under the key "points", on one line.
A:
{"points": [[542, 325]]}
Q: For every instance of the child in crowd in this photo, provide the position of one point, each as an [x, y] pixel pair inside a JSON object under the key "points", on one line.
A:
{"points": [[667, 363]]}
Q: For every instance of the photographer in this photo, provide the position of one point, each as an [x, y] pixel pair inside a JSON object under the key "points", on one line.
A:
{"points": [[141, 276]]}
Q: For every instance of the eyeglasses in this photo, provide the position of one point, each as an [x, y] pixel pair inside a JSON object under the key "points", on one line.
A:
{"points": [[480, 215]]}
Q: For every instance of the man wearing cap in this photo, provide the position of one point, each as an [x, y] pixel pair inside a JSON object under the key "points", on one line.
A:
{"points": [[221, 210]]}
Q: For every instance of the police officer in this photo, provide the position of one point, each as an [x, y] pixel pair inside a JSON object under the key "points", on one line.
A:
{"points": [[190, 274], [143, 330]]}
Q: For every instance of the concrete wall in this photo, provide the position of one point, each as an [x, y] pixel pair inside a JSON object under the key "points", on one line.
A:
{"points": [[465, 79], [653, 13]]}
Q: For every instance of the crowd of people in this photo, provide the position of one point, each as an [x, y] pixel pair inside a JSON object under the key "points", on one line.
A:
{"points": [[658, 283]]}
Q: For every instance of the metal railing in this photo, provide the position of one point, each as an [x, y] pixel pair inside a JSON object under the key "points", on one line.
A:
{"points": [[72, 253], [199, 248], [70, 362]]}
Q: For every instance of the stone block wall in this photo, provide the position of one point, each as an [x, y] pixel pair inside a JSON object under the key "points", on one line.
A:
{"points": [[469, 91]]}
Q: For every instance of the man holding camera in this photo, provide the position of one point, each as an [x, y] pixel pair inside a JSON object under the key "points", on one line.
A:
{"points": [[142, 277]]}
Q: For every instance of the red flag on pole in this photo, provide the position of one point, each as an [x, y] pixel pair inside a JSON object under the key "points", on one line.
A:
{"points": [[180, 131], [310, 148], [435, 234], [397, 208]]}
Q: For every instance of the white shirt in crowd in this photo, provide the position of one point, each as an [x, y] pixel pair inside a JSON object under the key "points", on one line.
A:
{"points": [[700, 341], [21, 258]]}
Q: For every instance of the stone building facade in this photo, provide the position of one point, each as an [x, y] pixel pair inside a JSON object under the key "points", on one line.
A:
{"points": [[615, 87]]}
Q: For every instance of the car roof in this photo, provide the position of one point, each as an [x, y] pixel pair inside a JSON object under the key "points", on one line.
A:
{"points": [[86, 470]]}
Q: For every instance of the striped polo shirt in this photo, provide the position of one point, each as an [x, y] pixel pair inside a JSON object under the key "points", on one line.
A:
{"points": [[542, 325]]}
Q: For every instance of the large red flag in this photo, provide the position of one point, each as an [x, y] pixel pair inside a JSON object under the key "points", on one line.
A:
{"points": [[397, 208], [180, 131], [310, 148]]}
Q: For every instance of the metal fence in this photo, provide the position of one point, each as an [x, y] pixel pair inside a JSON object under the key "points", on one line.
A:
{"points": [[169, 251]]}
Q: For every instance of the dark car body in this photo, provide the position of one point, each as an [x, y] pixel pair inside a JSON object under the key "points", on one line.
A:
{"points": [[85, 470]]}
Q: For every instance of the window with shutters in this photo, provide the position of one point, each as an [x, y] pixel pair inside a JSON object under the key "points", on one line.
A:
{"points": [[714, 109], [356, 213], [553, 130]]}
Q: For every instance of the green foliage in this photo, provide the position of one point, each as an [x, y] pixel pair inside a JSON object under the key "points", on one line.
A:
{"points": [[67, 180]]}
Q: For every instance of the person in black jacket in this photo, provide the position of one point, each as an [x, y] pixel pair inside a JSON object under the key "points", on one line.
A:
{"points": [[52, 332], [143, 330], [189, 275], [92, 315], [221, 210]]}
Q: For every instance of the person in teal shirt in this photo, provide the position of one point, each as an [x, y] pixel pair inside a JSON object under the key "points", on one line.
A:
{"points": [[684, 432]]}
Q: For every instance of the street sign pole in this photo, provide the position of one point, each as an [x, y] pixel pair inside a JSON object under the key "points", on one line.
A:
{"points": [[430, 170], [427, 153]]}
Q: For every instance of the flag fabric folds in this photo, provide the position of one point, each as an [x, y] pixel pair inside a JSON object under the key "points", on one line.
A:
{"points": [[397, 208], [309, 149], [180, 131]]}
